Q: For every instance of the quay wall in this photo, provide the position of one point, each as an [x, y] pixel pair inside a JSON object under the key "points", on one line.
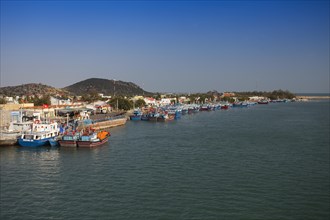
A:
{"points": [[109, 123]]}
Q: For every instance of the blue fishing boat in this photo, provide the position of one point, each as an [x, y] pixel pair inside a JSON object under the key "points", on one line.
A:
{"points": [[39, 135], [240, 104], [144, 117], [53, 142], [184, 110], [136, 116], [152, 116], [174, 112]]}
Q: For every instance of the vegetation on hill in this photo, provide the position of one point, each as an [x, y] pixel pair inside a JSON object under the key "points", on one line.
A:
{"points": [[3, 101], [31, 89], [90, 89], [276, 94], [106, 87]]}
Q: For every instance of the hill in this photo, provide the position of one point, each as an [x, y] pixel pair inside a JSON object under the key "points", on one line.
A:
{"points": [[31, 89], [105, 86]]}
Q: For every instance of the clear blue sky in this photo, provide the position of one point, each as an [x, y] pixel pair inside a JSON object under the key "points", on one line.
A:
{"points": [[168, 46]]}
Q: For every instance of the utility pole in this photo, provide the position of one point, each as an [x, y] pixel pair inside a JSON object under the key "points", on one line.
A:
{"points": [[114, 87], [1, 118]]}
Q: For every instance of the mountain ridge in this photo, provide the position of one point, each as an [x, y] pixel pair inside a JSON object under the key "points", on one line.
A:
{"points": [[90, 85]]}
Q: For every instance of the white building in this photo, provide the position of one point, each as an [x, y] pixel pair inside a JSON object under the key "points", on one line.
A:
{"points": [[56, 101], [150, 101]]}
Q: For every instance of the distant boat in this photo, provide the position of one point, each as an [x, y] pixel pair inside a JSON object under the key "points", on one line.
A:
{"points": [[174, 112], [205, 107], [144, 117], [136, 116], [240, 104], [193, 108], [40, 134], [263, 101], [152, 116], [94, 139], [184, 110], [163, 117]]}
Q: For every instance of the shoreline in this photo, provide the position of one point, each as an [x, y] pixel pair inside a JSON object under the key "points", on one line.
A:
{"points": [[313, 97]]}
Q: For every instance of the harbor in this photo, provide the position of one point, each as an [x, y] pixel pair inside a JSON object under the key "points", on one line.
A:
{"points": [[203, 165], [66, 126], [164, 110]]}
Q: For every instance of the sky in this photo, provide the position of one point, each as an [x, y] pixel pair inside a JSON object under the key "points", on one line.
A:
{"points": [[168, 46]]}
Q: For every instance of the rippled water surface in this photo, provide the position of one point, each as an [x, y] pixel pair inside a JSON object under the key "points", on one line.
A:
{"points": [[263, 162]]}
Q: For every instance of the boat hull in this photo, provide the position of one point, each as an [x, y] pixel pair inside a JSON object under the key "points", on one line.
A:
{"points": [[135, 117], [63, 143], [53, 142], [89, 144], [33, 143], [153, 119], [144, 118]]}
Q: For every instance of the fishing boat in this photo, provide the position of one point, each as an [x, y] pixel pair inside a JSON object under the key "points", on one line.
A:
{"points": [[163, 117], [153, 116], [193, 108], [53, 142], [174, 112], [69, 140], [93, 139], [240, 104], [205, 107], [184, 110], [136, 116], [263, 101], [40, 134], [144, 117]]}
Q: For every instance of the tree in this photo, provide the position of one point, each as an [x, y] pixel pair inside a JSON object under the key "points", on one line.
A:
{"points": [[3, 101], [140, 103], [41, 101], [242, 98], [227, 99], [158, 96], [91, 97], [122, 104]]}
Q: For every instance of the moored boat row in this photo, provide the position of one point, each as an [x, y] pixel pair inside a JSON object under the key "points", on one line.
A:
{"points": [[167, 113], [89, 132], [45, 133]]}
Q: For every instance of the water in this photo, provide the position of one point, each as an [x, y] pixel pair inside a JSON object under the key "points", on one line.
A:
{"points": [[264, 162]]}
